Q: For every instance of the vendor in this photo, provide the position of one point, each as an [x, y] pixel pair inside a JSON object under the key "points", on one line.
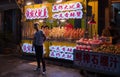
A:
{"points": [[111, 31], [44, 26], [68, 25]]}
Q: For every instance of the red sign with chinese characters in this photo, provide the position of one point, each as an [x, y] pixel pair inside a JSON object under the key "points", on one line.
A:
{"points": [[101, 62]]}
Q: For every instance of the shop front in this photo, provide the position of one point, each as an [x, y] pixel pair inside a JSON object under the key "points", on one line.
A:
{"points": [[100, 54], [94, 51], [105, 63], [61, 40]]}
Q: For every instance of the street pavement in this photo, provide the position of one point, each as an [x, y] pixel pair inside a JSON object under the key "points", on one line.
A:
{"points": [[13, 66]]}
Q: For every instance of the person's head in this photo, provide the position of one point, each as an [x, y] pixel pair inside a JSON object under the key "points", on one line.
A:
{"points": [[36, 26]]}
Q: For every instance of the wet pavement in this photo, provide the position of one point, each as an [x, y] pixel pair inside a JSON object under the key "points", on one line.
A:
{"points": [[12, 66], [19, 66]]}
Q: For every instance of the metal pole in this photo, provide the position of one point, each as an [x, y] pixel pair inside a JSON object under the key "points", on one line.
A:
{"points": [[86, 13], [86, 26]]}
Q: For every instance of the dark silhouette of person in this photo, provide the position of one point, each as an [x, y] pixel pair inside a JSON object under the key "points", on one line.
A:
{"points": [[38, 40], [111, 31]]}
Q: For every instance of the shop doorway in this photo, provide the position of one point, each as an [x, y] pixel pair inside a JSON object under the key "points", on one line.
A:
{"points": [[116, 13], [115, 16], [12, 25]]}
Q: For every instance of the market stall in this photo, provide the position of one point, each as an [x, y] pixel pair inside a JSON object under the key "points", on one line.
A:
{"points": [[61, 40], [98, 55], [98, 62], [94, 53], [34, 13]]}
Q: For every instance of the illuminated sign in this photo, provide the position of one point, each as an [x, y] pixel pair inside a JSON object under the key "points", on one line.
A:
{"points": [[68, 15], [67, 11], [36, 13], [102, 62], [61, 52], [27, 48]]}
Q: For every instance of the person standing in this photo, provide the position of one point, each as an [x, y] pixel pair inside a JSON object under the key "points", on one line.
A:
{"points": [[110, 31], [38, 40]]}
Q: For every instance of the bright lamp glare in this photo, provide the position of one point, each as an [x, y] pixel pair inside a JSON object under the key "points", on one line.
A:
{"points": [[58, 1], [41, 21], [62, 20], [28, 3]]}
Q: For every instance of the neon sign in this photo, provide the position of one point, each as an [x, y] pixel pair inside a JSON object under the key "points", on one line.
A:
{"points": [[36, 13], [67, 11]]}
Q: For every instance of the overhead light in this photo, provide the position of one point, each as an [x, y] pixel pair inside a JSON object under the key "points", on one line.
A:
{"points": [[62, 20], [29, 3], [59, 1], [40, 21], [92, 21]]}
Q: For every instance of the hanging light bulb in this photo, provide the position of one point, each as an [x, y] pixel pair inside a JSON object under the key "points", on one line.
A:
{"points": [[92, 21], [41, 21], [59, 1], [29, 3]]}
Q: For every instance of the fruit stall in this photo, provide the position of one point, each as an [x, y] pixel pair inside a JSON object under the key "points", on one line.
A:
{"points": [[95, 54], [98, 55], [60, 41]]}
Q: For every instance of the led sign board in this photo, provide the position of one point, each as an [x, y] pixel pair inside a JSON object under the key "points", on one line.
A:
{"points": [[67, 11], [36, 13], [61, 52]]}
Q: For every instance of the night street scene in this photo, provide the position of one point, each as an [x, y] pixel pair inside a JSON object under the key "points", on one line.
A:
{"points": [[60, 38]]}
